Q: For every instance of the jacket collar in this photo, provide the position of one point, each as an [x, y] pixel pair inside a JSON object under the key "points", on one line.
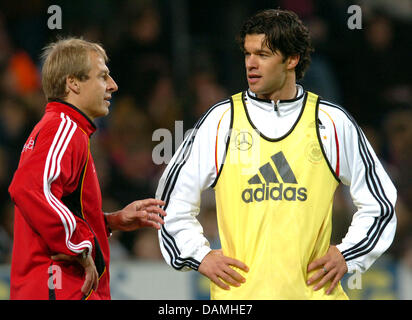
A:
{"points": [[74, 113], [299, 95], [284, 106]]}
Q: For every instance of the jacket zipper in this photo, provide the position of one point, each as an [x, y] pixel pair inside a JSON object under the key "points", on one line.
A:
{"points": [[275, 105]]}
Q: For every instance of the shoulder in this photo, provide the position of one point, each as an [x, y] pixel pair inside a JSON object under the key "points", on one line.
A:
{"points": [[56, 121], [215, 114], [60, 130], [335, 111], [336, 115]]}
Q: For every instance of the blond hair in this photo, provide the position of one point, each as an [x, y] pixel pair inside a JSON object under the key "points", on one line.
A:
{"points": [[65, 58]]}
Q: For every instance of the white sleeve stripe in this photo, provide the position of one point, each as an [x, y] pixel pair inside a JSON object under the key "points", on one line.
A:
{"points": [[375, 187], [52, 171], [51, 163], [168, 241]]}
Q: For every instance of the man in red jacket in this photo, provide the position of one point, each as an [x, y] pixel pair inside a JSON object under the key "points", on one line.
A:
{"points": [[61, 248]]}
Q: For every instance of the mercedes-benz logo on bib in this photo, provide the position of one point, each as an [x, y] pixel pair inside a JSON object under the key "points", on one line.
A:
{"points": [[243, 141]]}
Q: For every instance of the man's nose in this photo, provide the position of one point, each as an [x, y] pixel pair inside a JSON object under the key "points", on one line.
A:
{"points": [[112, 85], [251, 62]]}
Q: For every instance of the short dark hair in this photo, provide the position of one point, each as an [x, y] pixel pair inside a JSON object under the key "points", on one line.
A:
{"points": [[283, 31]]}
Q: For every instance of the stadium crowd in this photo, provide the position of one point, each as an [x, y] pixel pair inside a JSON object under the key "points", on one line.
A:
{"points": [[173, 59]]}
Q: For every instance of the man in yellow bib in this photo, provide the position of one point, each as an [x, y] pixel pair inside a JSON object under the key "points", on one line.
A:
{"points": [[274, 155]]}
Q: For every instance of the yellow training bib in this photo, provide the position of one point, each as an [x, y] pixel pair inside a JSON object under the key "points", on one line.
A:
{"points": [[274, 206]]}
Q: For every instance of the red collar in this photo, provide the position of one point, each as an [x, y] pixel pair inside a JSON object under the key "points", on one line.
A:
{"points": [[74, 113]]}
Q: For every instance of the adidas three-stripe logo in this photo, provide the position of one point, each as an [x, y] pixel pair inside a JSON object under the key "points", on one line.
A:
{"points": [[269, 175]]}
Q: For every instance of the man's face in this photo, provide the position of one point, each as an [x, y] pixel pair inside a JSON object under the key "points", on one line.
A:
{"points": [[266, 70], [96, 92]]}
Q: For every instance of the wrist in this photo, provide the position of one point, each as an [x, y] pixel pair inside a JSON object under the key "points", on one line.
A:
{"points": [[110, 220], [202, 253], [82, 257]]}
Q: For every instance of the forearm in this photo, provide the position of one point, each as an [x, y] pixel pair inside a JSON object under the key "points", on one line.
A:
{"points": [[60, 229], [181, 238], [368, 237]]}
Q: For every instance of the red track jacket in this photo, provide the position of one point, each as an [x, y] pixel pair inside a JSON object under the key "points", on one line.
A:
{"points": [[58, 209]]}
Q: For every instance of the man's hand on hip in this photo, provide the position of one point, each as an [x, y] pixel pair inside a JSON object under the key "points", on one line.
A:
{"points": [[91, 276], [217, 267], [332, 268]]}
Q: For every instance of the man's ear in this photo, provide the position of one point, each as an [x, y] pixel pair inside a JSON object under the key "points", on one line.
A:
{"points": [[292, 61], [72, 84]]}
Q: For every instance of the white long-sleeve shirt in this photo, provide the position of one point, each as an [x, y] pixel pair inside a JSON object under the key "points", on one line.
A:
{"points": [[196, 164]]}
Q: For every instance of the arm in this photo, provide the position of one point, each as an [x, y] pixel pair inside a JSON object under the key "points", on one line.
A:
{"points": [[373, 225], [45, 174], [192, 170]]}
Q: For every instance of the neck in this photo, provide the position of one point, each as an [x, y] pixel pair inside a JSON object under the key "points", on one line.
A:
{"points": [[73, 100], [287, 92]]}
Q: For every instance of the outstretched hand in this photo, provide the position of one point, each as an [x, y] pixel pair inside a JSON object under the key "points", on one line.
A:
{"points": [[138, 214]]}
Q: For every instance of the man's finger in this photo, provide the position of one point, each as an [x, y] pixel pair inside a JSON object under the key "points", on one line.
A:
{"points": [[317, 263], [324, 280], [156, 210], [96, 282], [237, 263], [153, 216], [63, 257], [87, 285], [335, 281], [153, 225], [220, 283], [324, 269], [91, 282], [316, 277], [235, 275], [152, 220], [229, 279], [149, 202], [333, 284]]}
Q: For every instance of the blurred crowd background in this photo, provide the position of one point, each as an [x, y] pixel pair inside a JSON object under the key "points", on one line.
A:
{"points": [[173, 59]]}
